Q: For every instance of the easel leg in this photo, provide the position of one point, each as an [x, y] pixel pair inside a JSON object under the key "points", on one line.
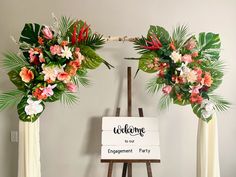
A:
{"points": [[149, 169], [124, 169], [129, 169], [109, 174]]}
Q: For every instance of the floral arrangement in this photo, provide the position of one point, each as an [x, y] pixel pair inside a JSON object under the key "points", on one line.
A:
{"points": [[52, 63], [187, 68]]}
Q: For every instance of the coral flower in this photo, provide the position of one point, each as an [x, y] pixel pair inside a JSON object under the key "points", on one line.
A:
{"points": [[26, 75], [191, 44], [63, 76], [71, 70], [40, 40], [55, 49], [47, 33], [195, 98], [187, 58], [207, 80], [195, 54], [172, 45], [38, 93]]}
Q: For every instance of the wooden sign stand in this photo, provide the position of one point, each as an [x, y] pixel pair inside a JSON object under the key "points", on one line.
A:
{"points": [[128, 162]]}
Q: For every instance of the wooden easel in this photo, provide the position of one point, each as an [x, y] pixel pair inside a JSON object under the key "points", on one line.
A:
{"points": [[128, 163]]}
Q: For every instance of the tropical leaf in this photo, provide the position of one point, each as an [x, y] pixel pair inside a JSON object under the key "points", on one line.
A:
{"points": [[220, 103], [165, 102], [94, 41], [22, 114], [65, 24], [12, 61], [10, 98], [81, 78], [160, 33], [209, 45], [145, 60], [92, 60], [154, 85], [198, 112], [68, 98], [56, 96], [16, 79], [139, 43], [30, 33], [180, 35]]}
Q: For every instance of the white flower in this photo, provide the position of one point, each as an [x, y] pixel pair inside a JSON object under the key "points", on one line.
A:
{"points": [[51, 72], [208, 108], [184, 69], [33, 107], [191, 76], [175, 56], [66, 53]]}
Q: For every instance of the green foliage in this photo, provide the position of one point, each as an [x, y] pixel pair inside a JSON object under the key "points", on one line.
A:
{"points": [[154, 85], [160, 33], [68, 98], [30, 33], [81, 77], [94, 41], [16, 80], [65, 24], [145, 60], [165, 102], [56, 96], [22, 114], [10, 98], [180, 36], [209, 45], [220, 103], [198, 112], [139, 43], [12, 61]]}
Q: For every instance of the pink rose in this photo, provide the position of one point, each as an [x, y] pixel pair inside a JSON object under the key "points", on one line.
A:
{"points": [[47, 33], [187, 58], [71, 87], [167, 89], [191, 44], [55, 49]]}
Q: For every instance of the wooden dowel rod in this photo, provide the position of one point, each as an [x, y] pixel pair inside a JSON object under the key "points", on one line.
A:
{"points": [[110, 167], [129, 92], [124, 171]]}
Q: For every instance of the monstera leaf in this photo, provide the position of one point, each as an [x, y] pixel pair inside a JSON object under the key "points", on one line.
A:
{"points": [[160, 33], [198, 112], [16, 79], [22, 114], [30, 33], [92, 60], [209, 45], [145, 60]]}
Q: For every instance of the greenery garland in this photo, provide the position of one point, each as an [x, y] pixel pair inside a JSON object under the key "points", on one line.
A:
{"points": [[52, 63], [187, 68]]}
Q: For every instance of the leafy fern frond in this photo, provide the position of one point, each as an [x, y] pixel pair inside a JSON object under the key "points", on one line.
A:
{"points": [[12, 61], [220, 103], [68, 98], [139, 43], [65, 24], [180, 35], [94, 41], [165, 102], [153, 86], [10, 98]]}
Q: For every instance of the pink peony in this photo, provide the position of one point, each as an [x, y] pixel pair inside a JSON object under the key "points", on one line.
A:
{"points": [[187, 58], [71, 87], [47, 33], [191, 44], [167, 89], [55, 49], [26, 75]]}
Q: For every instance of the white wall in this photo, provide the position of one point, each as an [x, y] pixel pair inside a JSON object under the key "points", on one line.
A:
{"points": [[70, 136]]}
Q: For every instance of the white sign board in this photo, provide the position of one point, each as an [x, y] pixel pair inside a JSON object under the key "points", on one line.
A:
{"points": [[130, 138]]}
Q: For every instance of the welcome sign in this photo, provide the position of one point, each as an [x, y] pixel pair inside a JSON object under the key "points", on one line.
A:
{"points": [[130, 138]]}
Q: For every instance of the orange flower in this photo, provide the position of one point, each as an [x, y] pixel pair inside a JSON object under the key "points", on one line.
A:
{"points": [[195, 98], [172, 45], [40, 40], [195, 54], [63, 76], [38, 94], [64, 43], [207, 80], [26, 75], [179, 97]]}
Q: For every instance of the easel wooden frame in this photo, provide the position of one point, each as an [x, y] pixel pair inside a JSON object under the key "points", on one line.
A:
{"points": [[128, 163]]}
